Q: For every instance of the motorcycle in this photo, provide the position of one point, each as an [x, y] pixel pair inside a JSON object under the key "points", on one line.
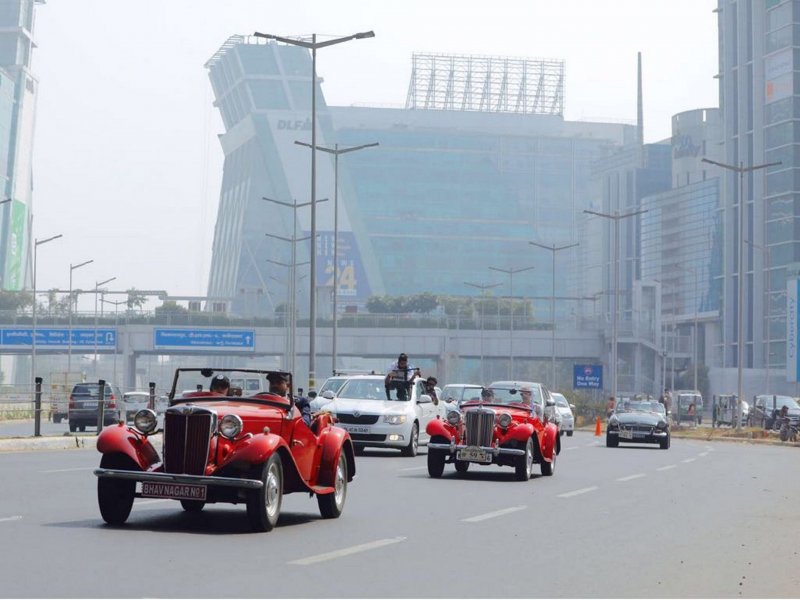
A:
{"points": [[788, 431]]}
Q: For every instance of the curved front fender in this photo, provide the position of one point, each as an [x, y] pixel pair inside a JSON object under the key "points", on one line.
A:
{"points": [[550, 442], [256, 449], [335, 440], [124, 440], [519, 434], [440, 428]]}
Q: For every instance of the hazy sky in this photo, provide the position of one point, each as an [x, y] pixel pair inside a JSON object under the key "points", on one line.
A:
{"points": [[127, 165]]}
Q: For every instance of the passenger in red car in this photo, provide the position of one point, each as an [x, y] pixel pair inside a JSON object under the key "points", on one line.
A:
{"points": [[220, 384]]}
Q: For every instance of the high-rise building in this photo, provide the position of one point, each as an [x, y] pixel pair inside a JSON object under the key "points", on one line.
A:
{"points": [[759, 78], [479, 162], [18, 89]]}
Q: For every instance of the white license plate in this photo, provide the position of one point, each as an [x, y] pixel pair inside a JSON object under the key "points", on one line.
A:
{"points": [[626, 435], [356, 428], [90, 405], [177, 491], [473, 454]]}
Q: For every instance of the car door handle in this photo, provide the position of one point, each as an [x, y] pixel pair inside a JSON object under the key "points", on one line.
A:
{"points": [[297, 443]]}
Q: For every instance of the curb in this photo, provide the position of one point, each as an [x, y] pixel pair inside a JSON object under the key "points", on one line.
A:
{"points": [[51, 443]]}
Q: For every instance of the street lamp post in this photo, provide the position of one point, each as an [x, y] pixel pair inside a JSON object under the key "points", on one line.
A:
{"points": [[616, 216], [336, 151], [767, 266], [741, 170], [313, 45], [482, 287], [36, 245], [96, 290], [553, 249], [293, 273], [510, 273], [694, 340], [291, 305], [116, 326], [69, 333]]}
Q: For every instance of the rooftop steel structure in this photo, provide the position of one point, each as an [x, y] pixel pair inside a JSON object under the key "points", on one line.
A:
{"points": [[486, 84]]}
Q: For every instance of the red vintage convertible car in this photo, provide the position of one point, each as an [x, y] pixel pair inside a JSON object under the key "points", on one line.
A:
{"points": [[507, 426], [247, 449]]}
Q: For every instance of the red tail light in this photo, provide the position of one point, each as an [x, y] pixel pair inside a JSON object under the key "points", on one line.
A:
{"points": [[112, 403], [71, 401]]}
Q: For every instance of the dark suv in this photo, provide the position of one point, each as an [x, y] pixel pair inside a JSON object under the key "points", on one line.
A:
{"points": [[83, 401]]}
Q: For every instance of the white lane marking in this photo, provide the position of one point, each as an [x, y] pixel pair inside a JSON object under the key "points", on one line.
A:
{"points": [[667, 468], [492, 515], [710, 448], [411, 469], [703, 454], [571, 448], [68, 470], [630, 477], [14, 518], [590, 445], [688, 460], [142, 502], [347, 551], [578, 492]]}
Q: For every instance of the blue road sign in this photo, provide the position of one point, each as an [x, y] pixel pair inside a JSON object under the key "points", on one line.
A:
{"points": [[587, 376], [205, 339], [58, 337]]}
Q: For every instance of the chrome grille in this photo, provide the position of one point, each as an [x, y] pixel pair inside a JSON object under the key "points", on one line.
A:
{"points": [[479, 426], [637, 428], [187, 433], [356, 420]]}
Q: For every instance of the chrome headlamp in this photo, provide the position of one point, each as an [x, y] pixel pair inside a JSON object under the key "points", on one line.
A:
{"points": [[230, 426], [453, 417], [661, 424], [504, 420], [145, 421], [394, 419]]}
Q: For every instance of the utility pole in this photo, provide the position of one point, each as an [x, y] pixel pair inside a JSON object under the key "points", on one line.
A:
{"points": [[482, 287], [510, 273]]}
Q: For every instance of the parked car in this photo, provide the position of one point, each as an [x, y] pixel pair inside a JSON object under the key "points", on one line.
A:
{"points": [[250, 449], [504, 427], [133, 402], [638, 422], [82, 410], [361, 408], [565, 409], [766, 405]]}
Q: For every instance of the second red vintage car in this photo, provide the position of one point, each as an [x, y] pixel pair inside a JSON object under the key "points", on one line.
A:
{"points": [[508, 426], [221, 447]]}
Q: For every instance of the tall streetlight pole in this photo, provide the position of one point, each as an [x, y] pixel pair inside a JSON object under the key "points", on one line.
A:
{"points": [[510, 273], [96, 290], [553, 249], [293, 273], [767, 266], [694, 337], [616, 216], [36, 245], [741, 170], [116, 326], [313, 45], [482, 287], [336, 151], [69, 333], [291, 307]]}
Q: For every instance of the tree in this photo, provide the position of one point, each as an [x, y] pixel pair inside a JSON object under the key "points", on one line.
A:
{"points": [[170, 307], [135, 299], [422, 303], [10, 300]]}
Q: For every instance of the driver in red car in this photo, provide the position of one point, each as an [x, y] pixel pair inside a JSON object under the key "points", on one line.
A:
{"points": [[220, 385], [279, 385]]}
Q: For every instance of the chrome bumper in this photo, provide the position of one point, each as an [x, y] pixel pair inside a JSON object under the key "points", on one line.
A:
{"points": [[655, 434], [248, 484], [452, 447]]}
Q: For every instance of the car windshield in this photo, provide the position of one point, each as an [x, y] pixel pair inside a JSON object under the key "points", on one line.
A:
{"points": [[629, 406], [333, 384], [501, 395], [561, 401], [364, 389], [780, 402], [687, 399]]}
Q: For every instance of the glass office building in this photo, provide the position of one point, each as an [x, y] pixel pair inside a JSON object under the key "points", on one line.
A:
{"points": [[454, 188], [760, 101]]}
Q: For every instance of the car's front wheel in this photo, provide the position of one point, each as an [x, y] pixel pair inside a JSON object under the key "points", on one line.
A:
{"points": [[115, 496], [331, 505], [611, 442], [462, 466], [413, 442], [436, 460], [524, 466], [569, 433], [264, 505], [548, 468], [192, 505]]}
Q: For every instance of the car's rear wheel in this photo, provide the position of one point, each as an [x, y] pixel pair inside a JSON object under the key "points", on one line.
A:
{"points": [[462, 466], [413, 442], [81, 428], [436, 460], [264, 505], [331, 505], [115, 496], [569, 433], [524, 466], [56, 418], [611, 442], [72, 427], [548, 468], [192, 505]]}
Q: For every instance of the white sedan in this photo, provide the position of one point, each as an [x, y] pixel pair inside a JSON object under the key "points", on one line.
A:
{"points": [[565, 409], [362, 408]]}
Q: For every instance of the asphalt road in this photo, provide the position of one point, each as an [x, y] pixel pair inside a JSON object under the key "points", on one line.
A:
{"points": [[698, 520]]}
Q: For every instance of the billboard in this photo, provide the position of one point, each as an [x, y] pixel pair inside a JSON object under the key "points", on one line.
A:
{"points": [[353, 285], [15, 253]]}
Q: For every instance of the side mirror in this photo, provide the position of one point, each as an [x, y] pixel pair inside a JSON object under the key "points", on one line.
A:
{"points": [[425, 399], [328, 395], [550, 402], [572, 406]]}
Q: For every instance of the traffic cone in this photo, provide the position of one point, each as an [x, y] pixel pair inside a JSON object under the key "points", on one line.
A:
{"points": [[598, 429]]}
